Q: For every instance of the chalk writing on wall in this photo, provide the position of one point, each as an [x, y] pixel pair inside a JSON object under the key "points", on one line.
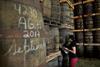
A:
{"points": [[29, 26]]}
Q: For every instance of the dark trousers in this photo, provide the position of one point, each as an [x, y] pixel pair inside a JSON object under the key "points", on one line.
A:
{"points": [[65, 61]]}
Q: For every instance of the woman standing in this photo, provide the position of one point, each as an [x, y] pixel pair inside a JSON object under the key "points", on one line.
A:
{"points": [[65, 60], [71, 49]]}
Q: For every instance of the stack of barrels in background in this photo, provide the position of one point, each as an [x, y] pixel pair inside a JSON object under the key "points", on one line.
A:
{"points": [[63, 33], [88, 8], [52, 39], [46, 10], [96, 34], [96, 20], [71, 18], [65, 13], [51, 13], [79, 35], [78, 10], [67, 22], [88, 22], [55, 12], [78, 24]]}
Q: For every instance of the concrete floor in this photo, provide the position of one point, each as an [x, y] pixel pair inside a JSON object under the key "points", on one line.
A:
{"points": [[55, 63], [83, 62]]}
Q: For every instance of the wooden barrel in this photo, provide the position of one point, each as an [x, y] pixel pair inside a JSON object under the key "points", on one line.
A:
{"points": [[88, 8], [96, 52], [47, 8], [78, 10], [71, 13], [64, 7], [96, 21], [65, 19], [65, 13], [63, 32], [71, 18], [88, 37], [55, 37], [21, 34], [88, 22], [78, 24], [96, 36], [52, 39], [79, 37], [96, 6], [88, 51], [55, 11], [71, 22]]}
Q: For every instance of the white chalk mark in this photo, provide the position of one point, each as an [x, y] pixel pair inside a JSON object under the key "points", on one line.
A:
{"points": [[30, 24], [11, 47], [22, 21], [18, 8], [24, 10], [25, 34]]}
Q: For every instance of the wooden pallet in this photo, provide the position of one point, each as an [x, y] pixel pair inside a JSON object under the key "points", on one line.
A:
{"points": [[93, 14], [69, 3], [52, 56], [81, 30], [88, 1], [89, 44]]}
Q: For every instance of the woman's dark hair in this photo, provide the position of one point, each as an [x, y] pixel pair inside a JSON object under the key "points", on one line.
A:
{"points": [[72, 37], [68, 37]]}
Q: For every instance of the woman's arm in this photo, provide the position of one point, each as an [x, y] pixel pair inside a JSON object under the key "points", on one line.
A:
{"points": [[72, 51]]}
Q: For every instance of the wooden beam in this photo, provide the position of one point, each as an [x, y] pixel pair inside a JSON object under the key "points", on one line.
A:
{"points": [[93, 14], [76, 17], [69, 3], [81, 30], [53, 56], [89, 44], [67, 26], [88, 1]]}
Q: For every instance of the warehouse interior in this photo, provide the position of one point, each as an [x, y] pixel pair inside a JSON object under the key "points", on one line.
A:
{"points": [[32, 31]]}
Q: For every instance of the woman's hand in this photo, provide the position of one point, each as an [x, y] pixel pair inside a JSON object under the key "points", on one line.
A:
{"points": [[65, 48], [72, 51]]}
